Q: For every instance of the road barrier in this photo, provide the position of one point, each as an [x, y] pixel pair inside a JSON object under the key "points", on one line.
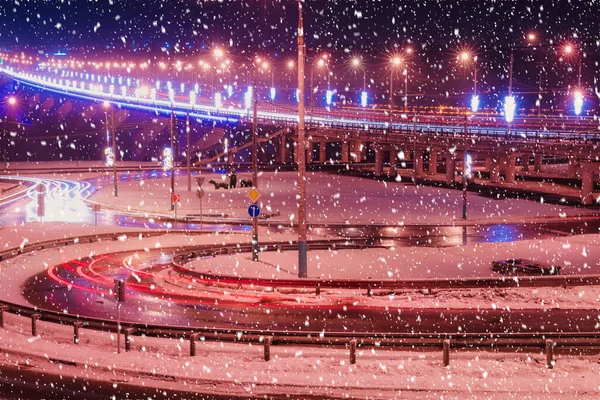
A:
{"points": [[535, 341]]}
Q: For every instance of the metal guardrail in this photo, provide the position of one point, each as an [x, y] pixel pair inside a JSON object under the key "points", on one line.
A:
{"points": [[189, 254], [351, 340]]}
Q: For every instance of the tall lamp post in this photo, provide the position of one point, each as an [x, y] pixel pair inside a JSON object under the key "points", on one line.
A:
{"points": [[301, 148], [465, 58], [113, 134], [11, 102], [396, 61], [172, 133]]}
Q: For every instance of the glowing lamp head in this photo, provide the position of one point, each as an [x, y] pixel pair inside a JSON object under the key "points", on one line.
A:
{"points": [[531, 37], [321, 63], [12, 100], [106, 104], [290, 64], [474, 103], [329, 97], [218, 53], [468, 170], [509, 108], [396, 61], [109, 157], [356, 62], [167, 158], [578, 102], [248, 98], [363, 99]]}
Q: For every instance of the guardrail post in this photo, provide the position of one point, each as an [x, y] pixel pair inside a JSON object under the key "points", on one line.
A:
{"points": [[446, 352], [76, 326], [128, 332], [549, 354], [34, 318], [353, 351], [193, 340], [3, 309], [268, 340]]}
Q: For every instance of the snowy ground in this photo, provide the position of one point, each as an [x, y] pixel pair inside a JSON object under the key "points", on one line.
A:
{"points": [[379, 373]]}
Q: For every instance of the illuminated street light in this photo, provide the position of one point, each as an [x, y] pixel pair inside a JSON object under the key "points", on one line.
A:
{"points": [[302, 146], [509, 108], [395, 63], [113, 134], [328, 96], [357, 64], [578, 101], [465, 57]]}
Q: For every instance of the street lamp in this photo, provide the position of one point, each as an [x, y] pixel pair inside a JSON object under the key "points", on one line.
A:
{"points": [[107, 105], [301, 148], [263, 65], [395, 63], [11, 101], [357, 64], [321, 62], [569, 52], [465, 58], [406, 53]]}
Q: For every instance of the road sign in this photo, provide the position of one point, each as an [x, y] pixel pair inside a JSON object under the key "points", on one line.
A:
{"points": [[176, 198], [200, 180], [254, 194], [200, 193], [254, 210]]}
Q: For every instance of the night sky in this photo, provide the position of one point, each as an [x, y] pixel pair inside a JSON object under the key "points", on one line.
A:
{"points": [[367, 25], [372, 28]]}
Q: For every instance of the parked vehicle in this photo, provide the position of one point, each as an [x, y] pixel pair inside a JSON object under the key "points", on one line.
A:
{"points": [[522, 266]]}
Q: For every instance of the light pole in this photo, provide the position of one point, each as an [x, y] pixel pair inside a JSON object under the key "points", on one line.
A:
{"points": [[301, 148], [11, 102], [465, 58], [113, 134], [396, 61], [173, 161], [188, 151]]}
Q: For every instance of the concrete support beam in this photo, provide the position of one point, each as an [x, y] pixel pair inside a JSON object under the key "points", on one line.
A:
{"points": [[378, 160], [587, 186], [322, 152], [525, 159], [450, 168], [345, 152], [418, 163], [393, 161], [433, 161], [511, 168], [537, 162]]}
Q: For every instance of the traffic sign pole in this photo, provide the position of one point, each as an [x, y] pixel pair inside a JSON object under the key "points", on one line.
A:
{"points": [[254, 211]]}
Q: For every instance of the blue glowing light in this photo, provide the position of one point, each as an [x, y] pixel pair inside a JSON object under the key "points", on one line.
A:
{"points": [[468, 170], [248, 98], [474, 103], [272, 93], [328, 96], [363, 99], [109, 157], [167, 159], [578, 102], [509, 108], [218, 102]]}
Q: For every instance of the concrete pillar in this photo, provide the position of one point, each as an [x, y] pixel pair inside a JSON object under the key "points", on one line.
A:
{"points": [[418, 163], [573, 169], [537, 162], [587, 186], [393, 161], [378, 161], [357, 151], [433, 160], [296, 149], [345, 152], [309, 151], [450, 168], [525, 158], [322, 151], [283, 150], [494, 170], [511, 168]]}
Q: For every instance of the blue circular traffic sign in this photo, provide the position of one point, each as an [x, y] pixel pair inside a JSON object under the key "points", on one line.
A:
{"points": [[254, 211]]}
